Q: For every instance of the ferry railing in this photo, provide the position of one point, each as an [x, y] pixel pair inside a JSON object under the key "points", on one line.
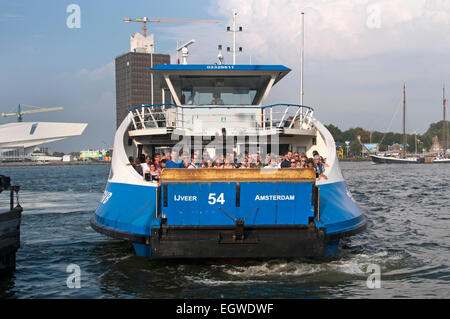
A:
{"points": [[271, 117], [154, 116]]}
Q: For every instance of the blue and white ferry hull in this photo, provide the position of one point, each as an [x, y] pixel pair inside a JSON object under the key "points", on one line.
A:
{"points": [[162, 225]]}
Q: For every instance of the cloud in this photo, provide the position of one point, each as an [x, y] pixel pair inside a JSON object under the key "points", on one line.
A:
{"points": [[97, 74], [357, 53]]}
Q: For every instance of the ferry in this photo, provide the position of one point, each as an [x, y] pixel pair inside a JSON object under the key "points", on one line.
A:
{"points": [[218, 109]]}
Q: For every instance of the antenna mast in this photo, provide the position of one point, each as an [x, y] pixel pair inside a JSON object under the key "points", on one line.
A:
{"points": [[234, 30], [301, 56]]}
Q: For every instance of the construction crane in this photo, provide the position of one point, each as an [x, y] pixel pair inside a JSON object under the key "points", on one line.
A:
{"points": [[19, 112], [145, 20]]}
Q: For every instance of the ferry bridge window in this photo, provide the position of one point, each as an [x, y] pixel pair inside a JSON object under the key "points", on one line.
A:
{"points": [[213, 90]]}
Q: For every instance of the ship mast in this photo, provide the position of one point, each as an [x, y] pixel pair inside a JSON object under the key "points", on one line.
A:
{"points": [[444, 128], [404, 123]]}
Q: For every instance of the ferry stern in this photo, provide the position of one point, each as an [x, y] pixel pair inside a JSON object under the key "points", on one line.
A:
{"points": [[249, 210]]}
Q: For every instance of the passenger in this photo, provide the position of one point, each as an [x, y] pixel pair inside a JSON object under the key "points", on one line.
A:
{"points": [[174, 161], [256, 161], [146, 168], [216, 99], [293, 163], [163, 164], [303, 162], [154, 173], [245, 163], [286, 163], [217, 163], [197, 159], [315, 153], [209, 164], [156, 162], [320, 169], [267, 159], [227, 163], [137, 166], [296, 156], [290, 156], [310, 163]]}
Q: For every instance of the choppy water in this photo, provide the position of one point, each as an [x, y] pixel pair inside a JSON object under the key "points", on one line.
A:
{"points": [[408, 207]]}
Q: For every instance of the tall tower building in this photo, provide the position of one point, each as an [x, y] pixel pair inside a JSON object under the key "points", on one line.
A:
{"points": [[133, 76]]}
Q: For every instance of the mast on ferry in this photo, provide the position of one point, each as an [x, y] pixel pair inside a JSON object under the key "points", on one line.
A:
{"points": [[302, 56]]}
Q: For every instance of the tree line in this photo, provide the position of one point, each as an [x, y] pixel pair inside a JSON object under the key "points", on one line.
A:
{"points": [[384, 139]]}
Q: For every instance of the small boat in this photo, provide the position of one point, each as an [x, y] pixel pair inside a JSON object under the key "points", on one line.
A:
{"points": [[441, 160], [9, 228], [396, 160]]}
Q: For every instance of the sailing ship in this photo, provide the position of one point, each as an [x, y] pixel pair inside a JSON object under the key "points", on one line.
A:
{"points": [[402, 158]]}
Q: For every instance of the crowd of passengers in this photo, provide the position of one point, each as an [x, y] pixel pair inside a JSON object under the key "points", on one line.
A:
{"points": [[152, 167]]}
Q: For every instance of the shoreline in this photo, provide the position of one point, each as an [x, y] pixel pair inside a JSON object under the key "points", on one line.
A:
{"points": [[354, 159], [14, 164]]}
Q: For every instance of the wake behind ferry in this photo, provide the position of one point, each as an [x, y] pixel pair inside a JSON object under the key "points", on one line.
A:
{"points": [[224, 175]]}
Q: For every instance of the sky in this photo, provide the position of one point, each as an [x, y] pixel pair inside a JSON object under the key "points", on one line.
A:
{"points": [[358, 54]]}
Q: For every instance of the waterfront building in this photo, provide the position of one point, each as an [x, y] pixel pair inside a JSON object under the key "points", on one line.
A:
{"points": [[133, 76]]}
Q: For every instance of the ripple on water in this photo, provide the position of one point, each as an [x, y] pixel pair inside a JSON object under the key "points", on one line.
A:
{"points": [[407, 237]]}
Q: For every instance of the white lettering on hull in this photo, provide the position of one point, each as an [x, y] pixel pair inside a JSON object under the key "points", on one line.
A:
{"points": [[275, 197], [184, 198]]}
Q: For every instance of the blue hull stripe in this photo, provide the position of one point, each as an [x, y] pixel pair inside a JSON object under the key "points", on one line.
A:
{"points": [[132, 208]]}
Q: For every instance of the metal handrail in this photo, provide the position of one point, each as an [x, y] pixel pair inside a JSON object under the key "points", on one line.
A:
{"points": [[270, 117]]}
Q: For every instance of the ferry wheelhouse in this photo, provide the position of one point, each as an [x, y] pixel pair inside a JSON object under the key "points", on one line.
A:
{"points": [[225, 213]]}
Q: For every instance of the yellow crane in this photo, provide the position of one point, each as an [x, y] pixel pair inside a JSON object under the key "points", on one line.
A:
{"points": [[146, 20], [19, 112]]}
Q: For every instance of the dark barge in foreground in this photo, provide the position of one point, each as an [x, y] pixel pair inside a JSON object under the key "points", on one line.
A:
{"points": [[9, 228]]}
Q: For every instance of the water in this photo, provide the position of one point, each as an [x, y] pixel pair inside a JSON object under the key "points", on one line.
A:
{"points": [[408, 207]]}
